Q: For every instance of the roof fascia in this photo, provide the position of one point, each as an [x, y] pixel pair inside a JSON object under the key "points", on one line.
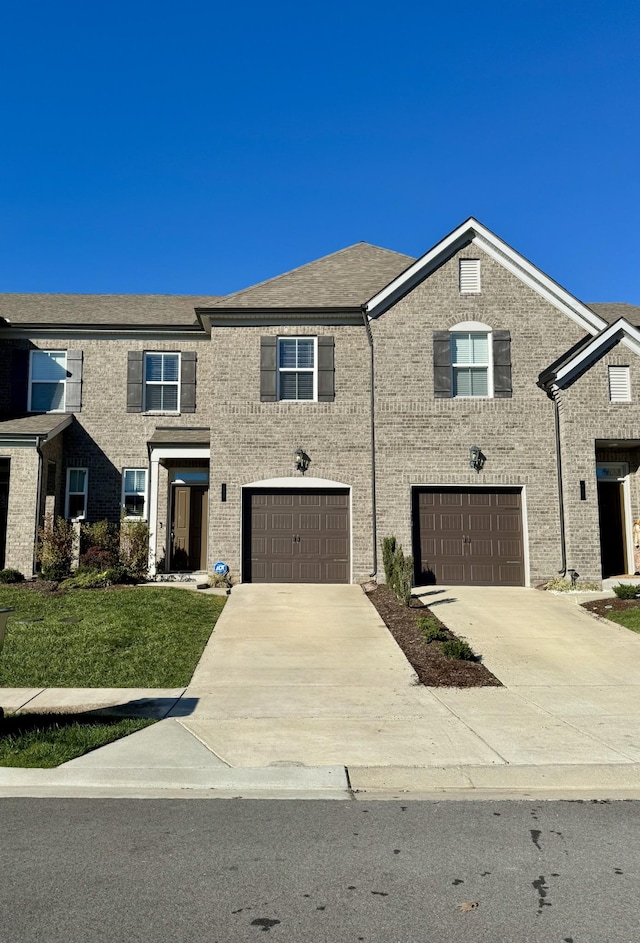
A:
{"points": [[619, 330], [270, 317], [107, 331], [473, 231]]}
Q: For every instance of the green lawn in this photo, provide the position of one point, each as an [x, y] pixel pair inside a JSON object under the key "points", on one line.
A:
{"points": [[630, 618], [47, 740], [133, 637]]}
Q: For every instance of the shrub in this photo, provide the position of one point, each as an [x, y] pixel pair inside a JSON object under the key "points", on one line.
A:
{"points": [[459, 649], [96, 558], [627, 590], [388, 556], [86, 578], [134, 548], [11, 576], [54, 550], [402, 579], [103, 536], [431, 631]]}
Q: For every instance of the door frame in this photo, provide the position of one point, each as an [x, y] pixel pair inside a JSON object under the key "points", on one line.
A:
{"points": [[620, 474], [473, 486], [204, 524]]}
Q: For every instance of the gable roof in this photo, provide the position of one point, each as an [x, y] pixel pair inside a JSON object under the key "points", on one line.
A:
{"points": [[583, 355], [347, 278], [614, 310], [101, 310], [471, 231]]}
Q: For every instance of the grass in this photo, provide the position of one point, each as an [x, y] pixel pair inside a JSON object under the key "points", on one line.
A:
{"points": [[630, 618], [132, 637], [43, 741]]}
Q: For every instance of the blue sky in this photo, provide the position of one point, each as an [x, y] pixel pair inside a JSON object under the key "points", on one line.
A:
{"points": [[201, 147]]}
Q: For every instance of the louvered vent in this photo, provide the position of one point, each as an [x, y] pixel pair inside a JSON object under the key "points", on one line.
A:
{"points": [[619, 385], [469, 276]]}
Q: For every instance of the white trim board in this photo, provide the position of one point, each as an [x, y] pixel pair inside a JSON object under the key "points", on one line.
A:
{"points": [[619, 330]]}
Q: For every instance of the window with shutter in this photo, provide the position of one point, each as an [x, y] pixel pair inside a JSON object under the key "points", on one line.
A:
{"points": [[619, 384], [469, 276], [162, 383], [297, 368], [471, 364], [47, 381]]}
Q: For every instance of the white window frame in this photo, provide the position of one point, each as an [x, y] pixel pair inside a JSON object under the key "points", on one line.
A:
{"points": [[473, 327], [626, 375], [32, 381], [477, 288], [146, 383], [144, 494], [314, 370], [68, 493]]}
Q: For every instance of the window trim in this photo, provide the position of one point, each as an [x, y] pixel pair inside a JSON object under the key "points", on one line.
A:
{"points": [[32, 381], [313, 370], [144, 493], [85, 492], [473, 327], [145, 382]]}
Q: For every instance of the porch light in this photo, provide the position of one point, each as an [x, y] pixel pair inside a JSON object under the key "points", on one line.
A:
{"points": [[302, 460], [476, 458]]}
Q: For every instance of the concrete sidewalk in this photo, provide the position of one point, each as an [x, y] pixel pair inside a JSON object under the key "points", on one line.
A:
{"points": [[303, 685]]}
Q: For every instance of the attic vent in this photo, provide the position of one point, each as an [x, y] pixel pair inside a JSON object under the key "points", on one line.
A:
{"points": [[619, 385], [469, 276]]}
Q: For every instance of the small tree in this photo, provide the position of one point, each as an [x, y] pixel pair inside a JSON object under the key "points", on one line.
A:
{"points": [[402, 576], [388, 554], [55, 546]]}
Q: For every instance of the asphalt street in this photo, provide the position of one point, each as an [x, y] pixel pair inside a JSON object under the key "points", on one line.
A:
{"points": [[349, 872]]}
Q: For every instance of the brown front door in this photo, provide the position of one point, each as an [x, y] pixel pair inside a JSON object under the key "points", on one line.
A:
{"points": [[296, 536], [612, 544], [189, 523], [468, 536]]}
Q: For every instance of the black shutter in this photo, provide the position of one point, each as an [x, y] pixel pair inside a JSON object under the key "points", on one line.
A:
{"points": [[501, 364], [326, 370], [188, 382], [442, 364], [268, 369], [135, 362], [73, 392], [19, 380]]}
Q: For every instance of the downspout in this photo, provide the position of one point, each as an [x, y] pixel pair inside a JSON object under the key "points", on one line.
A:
{"points": [[563, 539], [38, 500], [374, 514]]}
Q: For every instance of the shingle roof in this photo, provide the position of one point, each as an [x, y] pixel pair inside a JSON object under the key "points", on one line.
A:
{"points": [[180, 435], [612, 310], [345, 278], [41, 424], [120, 310]]}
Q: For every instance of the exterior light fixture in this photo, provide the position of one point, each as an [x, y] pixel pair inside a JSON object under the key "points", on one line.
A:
{"points": [[302, 460], [476, 458]]}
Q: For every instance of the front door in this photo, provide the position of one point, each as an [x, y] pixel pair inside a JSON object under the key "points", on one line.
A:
{"points": [[612, 542], [189, 521]]}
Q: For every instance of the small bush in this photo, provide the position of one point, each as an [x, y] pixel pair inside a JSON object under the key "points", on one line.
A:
{"points": [[627, 590], [134, 549], [11, 576], [402, 576], [458, 649], [388, 556], [96, 579], [431, 631], [96, 558], [559, 585], [104, 536], [54, 550]]}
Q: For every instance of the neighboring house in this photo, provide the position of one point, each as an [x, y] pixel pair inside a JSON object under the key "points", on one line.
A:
{"points": [[389, 374]]}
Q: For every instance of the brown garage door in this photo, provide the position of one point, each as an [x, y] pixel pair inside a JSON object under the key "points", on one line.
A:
{"points": [[469, 537], [297, 536]]}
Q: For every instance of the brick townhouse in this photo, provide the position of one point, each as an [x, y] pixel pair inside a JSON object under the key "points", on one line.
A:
{"points": [[463, 401]]}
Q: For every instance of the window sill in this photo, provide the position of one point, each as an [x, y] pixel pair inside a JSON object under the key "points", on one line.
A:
{"points": [[154, 412]]}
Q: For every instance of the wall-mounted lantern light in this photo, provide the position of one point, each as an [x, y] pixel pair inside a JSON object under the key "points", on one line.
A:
{"points": [[302, 460], [476, 458]]}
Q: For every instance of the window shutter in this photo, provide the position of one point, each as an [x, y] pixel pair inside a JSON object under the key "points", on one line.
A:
{"points": [[19, 380], [469, 276], [268, 369], [441, 364], [326, 370], [135, 362], [73, 392], [188, 381], [619, 385], [501, 364]]}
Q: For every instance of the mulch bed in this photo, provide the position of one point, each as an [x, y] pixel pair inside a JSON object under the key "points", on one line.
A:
{"points": [[426, 658], [602, 607]]}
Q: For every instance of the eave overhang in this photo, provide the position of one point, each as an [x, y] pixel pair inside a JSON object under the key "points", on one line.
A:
{"points": [[272, 317], [618, 332]]}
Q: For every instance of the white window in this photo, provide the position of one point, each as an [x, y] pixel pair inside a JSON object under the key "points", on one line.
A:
{"points": [[162, 383], [469, 276], [471, 363], [134, 492], [619, 385], [297, 378], [48, 376], [76, 500]]}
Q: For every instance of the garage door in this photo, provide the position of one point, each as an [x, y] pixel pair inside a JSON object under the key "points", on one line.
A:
{"points": [[296, 536], [469, 537]]}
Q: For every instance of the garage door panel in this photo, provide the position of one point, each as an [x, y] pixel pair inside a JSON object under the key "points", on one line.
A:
{"points": [[297, 536], [480, 545]]}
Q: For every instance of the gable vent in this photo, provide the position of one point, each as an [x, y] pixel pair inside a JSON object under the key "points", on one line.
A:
{"points": [[619, 385], [469, 276]]}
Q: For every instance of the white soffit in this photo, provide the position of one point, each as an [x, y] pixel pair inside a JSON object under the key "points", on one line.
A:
{"points": [[296, 483], [474, 232], [619, 330]]}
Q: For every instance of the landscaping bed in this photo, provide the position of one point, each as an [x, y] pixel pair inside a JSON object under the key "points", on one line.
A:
{"points": [[426, 658], [623, 611]]}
